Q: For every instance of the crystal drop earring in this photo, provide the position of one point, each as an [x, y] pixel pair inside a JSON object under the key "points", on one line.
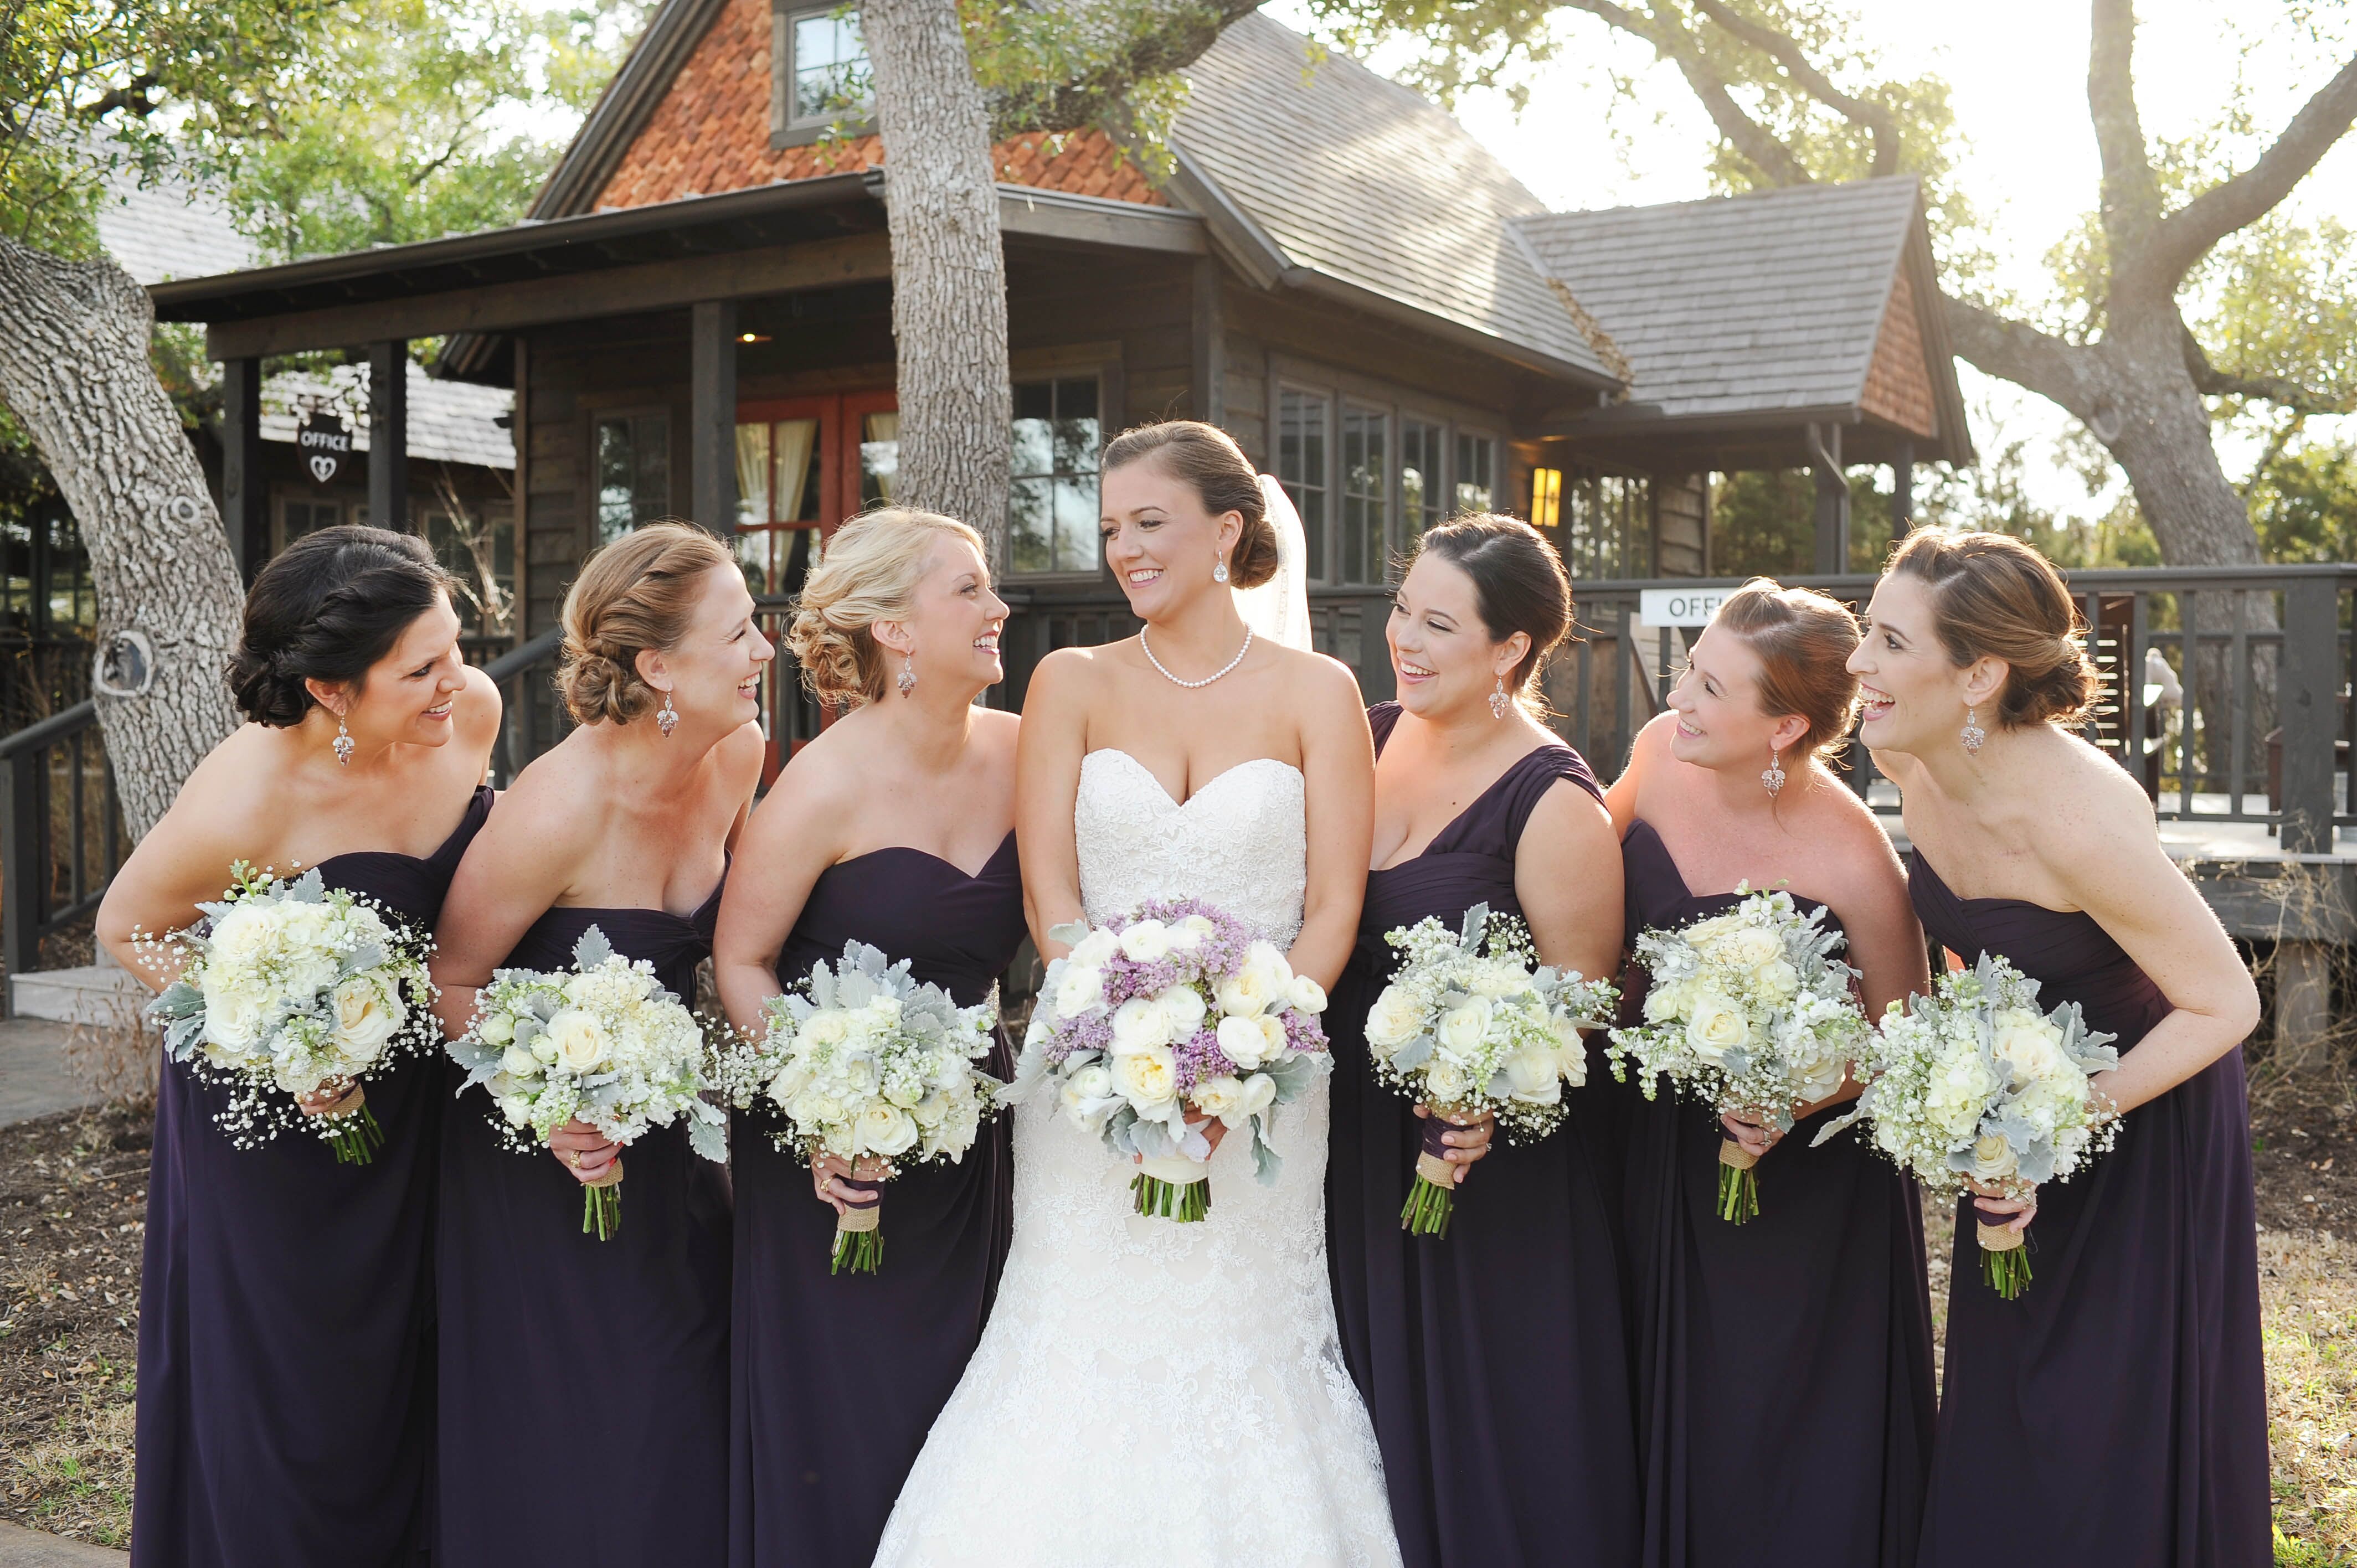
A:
{"points": [[1772, 776], [908, 682], [345, 744], [1498, 701], [666, 716], [1220, 572], [1971, 735]]}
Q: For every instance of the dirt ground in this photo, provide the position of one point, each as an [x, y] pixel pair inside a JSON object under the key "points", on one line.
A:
{"points": [[72, 1190]]}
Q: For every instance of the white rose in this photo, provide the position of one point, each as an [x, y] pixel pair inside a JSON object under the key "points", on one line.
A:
{"points": [[1751, 947], [1139, 1024], [1394, 1019], [1992, 1158], [2031, 1047], [1445, 1082], [497, 1030], [1273, 1031], [1080, 988], [1260, 1093], [791, 1079], [1269, 959], [1533, 1076], [1243, 1041], [1186, 937], [1305, 994], [1713, 1027], [930, 1112], [1150, 1078], [1149, 941], [367, 1016], [1182, 1006], [1093, 1081], [1777, 979], [516, 1064], [1462, 1029], [233, 1020], [1500, 977], [1096, 950], [829, 1029], [516, 1109], [1248, 991], [580, 1040], [1664, 1002], [1222, 1097], [884, 1130]]}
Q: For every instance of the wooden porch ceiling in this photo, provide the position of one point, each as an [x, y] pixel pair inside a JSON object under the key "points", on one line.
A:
{"points": [[1636, 437]]}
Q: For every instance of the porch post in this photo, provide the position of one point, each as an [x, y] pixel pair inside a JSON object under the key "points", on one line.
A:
{"points": [[244, 496], [389, 435], [711, 419], [1833, 500], [2308, 703], [1902, 489]]}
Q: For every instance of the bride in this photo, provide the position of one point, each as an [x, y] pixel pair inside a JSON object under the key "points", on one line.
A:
{"points": [[1149, 1390]]}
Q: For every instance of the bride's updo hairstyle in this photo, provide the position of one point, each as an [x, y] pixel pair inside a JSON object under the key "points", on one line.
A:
{"points": [[327, 608], [1803, 640], [637, 594], [1519, 584], [1209, 461], [870, 573], [1993, 595]]}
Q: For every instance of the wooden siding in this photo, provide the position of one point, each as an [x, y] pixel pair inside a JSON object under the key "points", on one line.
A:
{"points": [[1899, 381], [1681, 502]]}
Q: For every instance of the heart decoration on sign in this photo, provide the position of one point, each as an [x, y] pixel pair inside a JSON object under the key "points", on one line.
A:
{"points": [[323, 469]]}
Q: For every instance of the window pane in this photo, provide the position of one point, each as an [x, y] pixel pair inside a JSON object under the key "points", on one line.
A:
{"points": [[1034, 441], [1035, 400], [1476, 484], [752, 475], [879, 457], [1077, 440], [651, 433], [1077, 512], [1420, 495], [615, 472], [1301, 468], [1365, 501], [1030, 525], [831, 76]]}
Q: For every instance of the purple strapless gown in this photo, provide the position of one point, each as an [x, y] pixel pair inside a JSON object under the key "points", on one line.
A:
{"points": [[1783, 1365], [1491, 1360], [286, 1404], [2117, 1411], [585, 1383], [836, 1379]]}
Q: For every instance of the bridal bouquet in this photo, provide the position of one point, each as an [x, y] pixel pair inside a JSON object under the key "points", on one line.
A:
{"points": [[1975, 1083], [1750, 1012], [1171, 1013], [294, 987], [868, 1064], [606, 1044], [1473, 1024]]}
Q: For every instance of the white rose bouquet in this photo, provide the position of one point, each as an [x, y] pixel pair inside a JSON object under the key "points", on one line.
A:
{"points": [[1752, 1012], [293, 991], [606, 1044], [867, 1063], [1174, 1012], [1473, 1024], [1975, 1084]]}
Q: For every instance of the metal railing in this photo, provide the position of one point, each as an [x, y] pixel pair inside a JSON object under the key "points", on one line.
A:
{"points": [[2258, 731], [61, 834]]}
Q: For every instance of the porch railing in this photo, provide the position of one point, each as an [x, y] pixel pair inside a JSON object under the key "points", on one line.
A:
{"points": [[2258, 730], [61, 834]]}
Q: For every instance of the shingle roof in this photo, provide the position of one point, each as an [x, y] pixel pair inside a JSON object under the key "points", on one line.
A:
{"points": [[1736, 304], [448, 421], [170, 229], [1368, 182]]}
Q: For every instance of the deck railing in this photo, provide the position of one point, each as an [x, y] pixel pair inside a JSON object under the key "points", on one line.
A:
{"points": [[61, 831]]}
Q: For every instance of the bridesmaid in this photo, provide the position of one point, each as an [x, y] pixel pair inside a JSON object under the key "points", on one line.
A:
{"points": [[893, 828], [585, 1395], [1491, 1360], [2116, 1411], [286, 1409], [1783, 1365]]}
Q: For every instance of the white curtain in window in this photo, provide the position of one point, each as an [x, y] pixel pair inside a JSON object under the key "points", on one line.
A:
{"points": [[752, 475], [794, 439]]}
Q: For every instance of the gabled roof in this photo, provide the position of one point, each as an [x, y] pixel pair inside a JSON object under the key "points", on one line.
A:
{"points": [[1325, 167], [1814, 298], [170, 229]]}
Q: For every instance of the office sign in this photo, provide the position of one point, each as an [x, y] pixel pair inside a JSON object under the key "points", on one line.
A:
{"points": [[325, 444], [1679, 607]]}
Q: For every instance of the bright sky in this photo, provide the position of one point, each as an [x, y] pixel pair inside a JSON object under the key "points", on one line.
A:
{"points": [[2017, 71]]}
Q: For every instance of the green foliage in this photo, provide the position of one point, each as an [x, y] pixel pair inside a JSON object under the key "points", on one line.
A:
{"points": [[2304, 505]]}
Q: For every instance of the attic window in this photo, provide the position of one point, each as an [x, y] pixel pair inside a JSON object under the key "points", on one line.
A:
{"points": [[818, 65]]}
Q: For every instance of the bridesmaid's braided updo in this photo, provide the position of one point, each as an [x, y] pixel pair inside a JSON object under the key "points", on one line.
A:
{"points": [[636, 595], [327, 608]]}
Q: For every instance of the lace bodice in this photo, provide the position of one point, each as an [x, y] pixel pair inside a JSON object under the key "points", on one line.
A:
{"points": [[1120, 1345]]}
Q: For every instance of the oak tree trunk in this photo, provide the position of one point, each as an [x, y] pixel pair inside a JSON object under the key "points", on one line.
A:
{"points": [[949, 267], [74, 368]]}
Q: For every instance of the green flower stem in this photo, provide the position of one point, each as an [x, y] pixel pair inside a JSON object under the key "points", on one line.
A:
{"points": [[355, 1137], [1428, 1209], [2005, 1268], [1739, 1194], [862, 1252], [601, 1212], [1169, 1200]]}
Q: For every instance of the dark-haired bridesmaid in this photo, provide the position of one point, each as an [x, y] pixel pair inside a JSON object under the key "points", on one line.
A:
{"points": [[1491, 1360], [584, 1382], [1783, 1366], [286, 1410], [893, 828], [2117, 1411]]}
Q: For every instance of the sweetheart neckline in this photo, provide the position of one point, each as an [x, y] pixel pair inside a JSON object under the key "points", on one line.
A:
{"points": [[929, 855], [1198, 792]]}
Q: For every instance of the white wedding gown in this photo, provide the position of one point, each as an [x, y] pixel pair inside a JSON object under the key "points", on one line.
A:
{"points": [[1150, 1393]]}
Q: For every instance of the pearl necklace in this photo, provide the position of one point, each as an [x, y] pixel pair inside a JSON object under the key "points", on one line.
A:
{"points": [[1148, 650]]}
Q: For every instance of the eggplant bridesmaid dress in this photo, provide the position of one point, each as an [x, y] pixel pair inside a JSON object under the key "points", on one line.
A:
{"points": [[1492, 1360], [1783, 1365], [836, 1378], [285, 1403], [585, 1383], [2116, 1411]]}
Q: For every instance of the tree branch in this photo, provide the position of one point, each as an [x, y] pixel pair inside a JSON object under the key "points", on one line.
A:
{"points": [[2018, 352], [1879, 121], [1754, 141], [2277, 439], [1093, 98], [2130, 200], [2186, 235], [2280, 390]]}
